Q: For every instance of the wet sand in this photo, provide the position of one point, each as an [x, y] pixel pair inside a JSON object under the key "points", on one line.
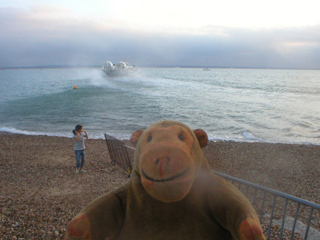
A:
{"points": [[40, 191]]}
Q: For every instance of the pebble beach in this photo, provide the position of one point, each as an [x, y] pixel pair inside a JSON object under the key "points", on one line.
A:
{"points": [[41, 192]]}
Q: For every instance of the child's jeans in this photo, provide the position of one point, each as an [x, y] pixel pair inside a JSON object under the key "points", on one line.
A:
{"points": [[80, 158]]}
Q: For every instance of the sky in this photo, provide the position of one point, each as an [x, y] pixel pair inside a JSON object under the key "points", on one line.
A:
{"points": [[229, 33]]}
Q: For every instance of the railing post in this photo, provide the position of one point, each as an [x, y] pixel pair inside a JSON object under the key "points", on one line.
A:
{"points": [[309, 222], [271, 217], [284, 218]]}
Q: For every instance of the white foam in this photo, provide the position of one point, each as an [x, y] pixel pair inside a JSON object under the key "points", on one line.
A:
{"points": [[250, 136], [34, 133], [92, 134], [14, 130]]}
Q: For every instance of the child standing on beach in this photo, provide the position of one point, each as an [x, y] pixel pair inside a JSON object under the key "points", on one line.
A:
{"points": [[79, 136]]}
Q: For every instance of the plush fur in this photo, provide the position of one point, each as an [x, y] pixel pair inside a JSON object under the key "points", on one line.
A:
{"points": [[172, 194]]}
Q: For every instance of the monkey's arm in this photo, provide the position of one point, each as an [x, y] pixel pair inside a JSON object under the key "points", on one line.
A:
{"points": [[100, 219], [235, 213]]}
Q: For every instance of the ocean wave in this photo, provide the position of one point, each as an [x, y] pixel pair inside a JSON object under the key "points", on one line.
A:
{"points": [[92, 134], [25, 132]]}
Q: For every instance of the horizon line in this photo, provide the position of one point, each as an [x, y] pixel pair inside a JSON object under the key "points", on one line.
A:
{"points": [[155, 66]]}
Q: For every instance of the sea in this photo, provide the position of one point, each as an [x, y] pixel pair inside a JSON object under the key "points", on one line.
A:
{"points": [[246, 105]]}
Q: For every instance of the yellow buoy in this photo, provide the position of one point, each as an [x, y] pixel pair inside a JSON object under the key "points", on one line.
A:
{"points": [[75, 87]]}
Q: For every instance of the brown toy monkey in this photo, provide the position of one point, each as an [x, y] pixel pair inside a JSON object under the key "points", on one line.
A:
{"points": [[171, 195]]}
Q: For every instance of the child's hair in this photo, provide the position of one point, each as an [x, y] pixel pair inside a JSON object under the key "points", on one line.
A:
{"points": [[77, 128]]}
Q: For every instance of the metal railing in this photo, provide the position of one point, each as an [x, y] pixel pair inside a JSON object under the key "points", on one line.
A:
{"points": [[276, 209], [118, 153], [275, 206]]}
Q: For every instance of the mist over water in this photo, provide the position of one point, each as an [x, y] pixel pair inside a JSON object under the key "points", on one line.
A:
{"points": [[229, 104]]}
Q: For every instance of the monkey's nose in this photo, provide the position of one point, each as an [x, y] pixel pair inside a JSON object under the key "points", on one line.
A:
{"points": [[162, 164]]}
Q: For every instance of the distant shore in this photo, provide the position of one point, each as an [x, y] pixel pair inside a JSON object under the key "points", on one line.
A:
{"points": [[41, 191]]}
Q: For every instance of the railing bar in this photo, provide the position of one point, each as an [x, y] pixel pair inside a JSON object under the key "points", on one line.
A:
{"points": [[271, 217], [130, 147], [128, 162], [295, 221], [284, 217], [309, 222], [255, 196], [262, 208], [302, 201]]}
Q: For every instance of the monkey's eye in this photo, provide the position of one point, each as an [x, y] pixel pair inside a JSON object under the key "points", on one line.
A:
{"points": [[181, 137], [149, 138]]}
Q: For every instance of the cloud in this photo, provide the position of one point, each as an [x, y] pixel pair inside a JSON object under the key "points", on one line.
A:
{"points": [[55, 36]]}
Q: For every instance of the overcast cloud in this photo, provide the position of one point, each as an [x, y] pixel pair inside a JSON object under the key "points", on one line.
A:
{"points": [[44, 36]]}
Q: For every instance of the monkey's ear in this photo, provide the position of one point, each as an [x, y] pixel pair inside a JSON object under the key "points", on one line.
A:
{"points": [[202, 137], [135, 137]]}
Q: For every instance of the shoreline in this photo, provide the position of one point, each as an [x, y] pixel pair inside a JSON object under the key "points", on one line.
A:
{"points": [[127, 138], [41, 191]]}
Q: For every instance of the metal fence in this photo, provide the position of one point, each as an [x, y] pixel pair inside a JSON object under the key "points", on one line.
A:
{"points": [[282, 216], [279, 210], [118, 153]]}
